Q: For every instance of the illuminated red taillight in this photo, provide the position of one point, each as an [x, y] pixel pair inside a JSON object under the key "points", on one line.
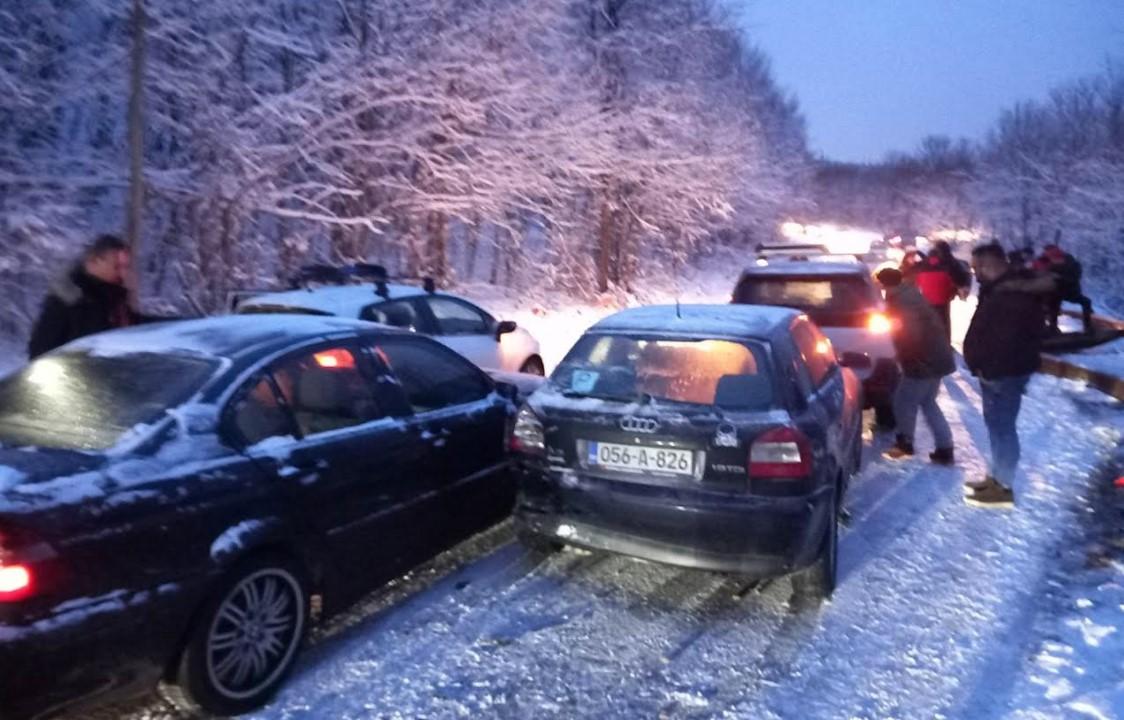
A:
{"points": [[783, 452], [878, 323], [16, 582]]}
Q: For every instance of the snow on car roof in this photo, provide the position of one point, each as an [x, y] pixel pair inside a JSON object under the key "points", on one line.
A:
{"points": [[735, 320], [808, 268], [341, 300], [225, 336]]}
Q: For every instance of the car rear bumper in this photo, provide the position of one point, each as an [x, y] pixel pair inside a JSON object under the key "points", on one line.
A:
{"points": [[721, 531], [111, 646]]}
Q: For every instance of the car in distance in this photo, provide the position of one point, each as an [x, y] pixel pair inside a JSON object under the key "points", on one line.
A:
{"points": [[450, 319], [840, 297], [172, 496], [714, 437]]}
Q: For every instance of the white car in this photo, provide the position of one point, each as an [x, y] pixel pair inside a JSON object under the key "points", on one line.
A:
{"points": [[461, 325], [840, 296]]}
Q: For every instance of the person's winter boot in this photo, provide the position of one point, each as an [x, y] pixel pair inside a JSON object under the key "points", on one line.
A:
{"points": [[1087, 320], [942, 456], [992, 495], [902, 448], [970, 486]]}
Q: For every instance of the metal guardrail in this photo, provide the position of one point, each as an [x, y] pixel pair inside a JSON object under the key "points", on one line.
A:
{"points": [[1100, 380]]}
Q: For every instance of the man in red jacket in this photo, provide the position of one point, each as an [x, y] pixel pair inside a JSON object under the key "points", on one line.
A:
{"points": [[940, 278]]}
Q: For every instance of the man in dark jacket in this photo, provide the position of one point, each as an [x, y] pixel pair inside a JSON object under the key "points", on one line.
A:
{"points": [[1067, 276], [925, 357], [88, 299], [940, 278], [1002, 349]]}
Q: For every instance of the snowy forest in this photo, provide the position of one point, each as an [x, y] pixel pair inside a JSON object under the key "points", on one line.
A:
{"points": [[1051, 170], [587, 146], [576, 144]]}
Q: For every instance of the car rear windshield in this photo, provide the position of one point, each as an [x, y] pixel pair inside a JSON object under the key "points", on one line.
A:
{"points": [[726, 373], [85, 402], [842, 300]]}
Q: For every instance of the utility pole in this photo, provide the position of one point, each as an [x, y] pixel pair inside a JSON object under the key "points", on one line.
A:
{"points": [[135, 216]]}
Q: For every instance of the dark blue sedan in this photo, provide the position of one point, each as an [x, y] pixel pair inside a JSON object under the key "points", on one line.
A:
{"points": [[172, 498], [716, 437]]}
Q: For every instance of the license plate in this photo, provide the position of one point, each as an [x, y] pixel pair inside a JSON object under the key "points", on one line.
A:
{"points": [[639, 458]]}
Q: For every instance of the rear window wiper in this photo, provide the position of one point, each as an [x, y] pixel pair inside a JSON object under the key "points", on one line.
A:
{"points": [[597, 396]]}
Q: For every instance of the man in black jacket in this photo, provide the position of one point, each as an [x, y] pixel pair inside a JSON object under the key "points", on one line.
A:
{"points": [[1002, 349], [925, 357], [1067, 276], [89, 298]]}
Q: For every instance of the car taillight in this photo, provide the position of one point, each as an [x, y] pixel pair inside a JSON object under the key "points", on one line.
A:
{"points": [[527, 435], [780, 453], [16, 582], [878, 323]]}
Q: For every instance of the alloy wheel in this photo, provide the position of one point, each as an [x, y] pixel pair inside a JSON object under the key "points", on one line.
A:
{"points": [[255, 632]]}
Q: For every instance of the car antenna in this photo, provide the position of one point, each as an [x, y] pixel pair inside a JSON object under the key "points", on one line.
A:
{"points": [[675, 269]]}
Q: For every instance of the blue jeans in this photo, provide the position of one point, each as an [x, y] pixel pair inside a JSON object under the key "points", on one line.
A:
{"points": [[1002, 399], [915, 394]]}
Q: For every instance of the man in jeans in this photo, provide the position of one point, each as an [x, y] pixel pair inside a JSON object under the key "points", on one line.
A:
{"points": [[1002, 349], [925, 357]]}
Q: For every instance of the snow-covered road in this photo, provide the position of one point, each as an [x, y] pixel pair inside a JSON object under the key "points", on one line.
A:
{"points": [[943, 610]]}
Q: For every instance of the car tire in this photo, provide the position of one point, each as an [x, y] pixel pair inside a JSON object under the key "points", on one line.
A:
{"points": [[244, 641], [817, 582], [884, 416], [533, 366]]}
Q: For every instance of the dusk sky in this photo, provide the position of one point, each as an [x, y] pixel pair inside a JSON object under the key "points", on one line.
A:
{"points": [[873, 76]]}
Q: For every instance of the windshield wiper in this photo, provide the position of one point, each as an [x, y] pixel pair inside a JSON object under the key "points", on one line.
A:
{"points": [[598, 396]]}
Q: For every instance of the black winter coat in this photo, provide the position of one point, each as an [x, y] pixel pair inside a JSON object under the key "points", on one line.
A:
{"points": [[1005, 337], [1067, 274], [77, 305], [919, 335]]}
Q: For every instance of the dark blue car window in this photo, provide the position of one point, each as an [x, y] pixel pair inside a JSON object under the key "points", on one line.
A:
{"points": [[432, 377]]}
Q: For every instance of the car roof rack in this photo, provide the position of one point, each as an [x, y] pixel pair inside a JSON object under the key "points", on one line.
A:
{"points": [[803, 252], [322, 274]]}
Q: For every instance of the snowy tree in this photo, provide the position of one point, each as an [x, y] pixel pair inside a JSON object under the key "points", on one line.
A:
{"points": [[583, 144]]}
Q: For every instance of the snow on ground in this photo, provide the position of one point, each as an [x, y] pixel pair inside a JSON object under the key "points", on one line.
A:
{"points": [[1108, 358]]}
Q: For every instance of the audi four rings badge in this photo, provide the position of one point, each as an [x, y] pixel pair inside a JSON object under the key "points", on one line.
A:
{"points": [[639, 425]]}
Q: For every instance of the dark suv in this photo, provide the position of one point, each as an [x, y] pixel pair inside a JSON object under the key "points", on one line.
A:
{"points": [[716, 437]]}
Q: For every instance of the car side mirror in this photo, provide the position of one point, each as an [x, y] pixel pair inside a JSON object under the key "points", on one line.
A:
{"points": [[856, 361], [504, 327]]}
